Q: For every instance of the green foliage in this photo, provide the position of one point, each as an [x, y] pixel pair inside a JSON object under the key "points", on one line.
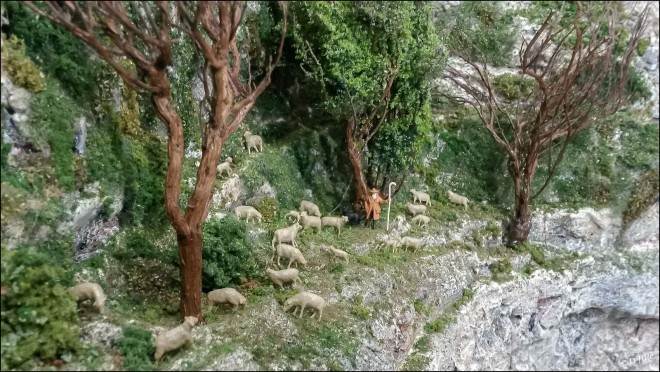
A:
{"points": [[449, 315], [278, 169], [644, 194], [136, 348], [512, 86], [500, 269], [38, 314], [636, 86], [359, 310], [643, 46], [227, 253], [268, 208], [20, 68], [59, 53], [480, 30], [421, 307], [282, 295]]}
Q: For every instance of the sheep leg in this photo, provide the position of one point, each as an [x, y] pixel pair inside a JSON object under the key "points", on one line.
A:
{"points": [[302, 309], [320, 314], [158, 355], [278, 260], [290, 260]]}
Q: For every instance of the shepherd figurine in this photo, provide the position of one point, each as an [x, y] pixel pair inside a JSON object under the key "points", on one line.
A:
{"points": [[372, 207]]}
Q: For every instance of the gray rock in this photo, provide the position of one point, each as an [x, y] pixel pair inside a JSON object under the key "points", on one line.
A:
{"points": [[102, 332], [81, 136], [239, 360], [642, 234]]}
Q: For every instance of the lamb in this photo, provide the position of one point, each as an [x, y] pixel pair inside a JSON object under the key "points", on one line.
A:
{"points": [[282, 277], [393, 242], [303, 300], [310, 221], [286, 235], [421, 220], [225, 167], [416, 209], [253, 141], [457, 199], [311, 208], [421, 196], [337, 222], [410, 242], [248, 212], [294, 215], [338, 253], [290, 252], [174, 338], [90, 291], [226, 296]]}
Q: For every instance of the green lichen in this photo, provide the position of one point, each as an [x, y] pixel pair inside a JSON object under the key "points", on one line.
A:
{"points": [[642, 46], [20, 68], [644, 194]]}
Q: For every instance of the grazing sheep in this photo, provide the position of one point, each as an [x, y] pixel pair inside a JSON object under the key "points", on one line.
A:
{"points": [[225, 167], [337, 222], [338, 253], [303, 300], [226, 296], [410, 242], [421, 196], [290, 252], [90, 291], [457, 199], [309, 207], [421, 220], [282, 277], [416, 209], [310, 221], [294, 215], [286, 235], [253, 141], [248, 212], [393, 243], [174, 338]]}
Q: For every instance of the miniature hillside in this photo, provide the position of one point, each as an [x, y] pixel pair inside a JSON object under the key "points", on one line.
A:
{"points": [[84, 159]]}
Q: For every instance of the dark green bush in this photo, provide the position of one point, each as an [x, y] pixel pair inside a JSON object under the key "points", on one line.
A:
{"points": [[227, 253], [136, 348], [268, 208], [38, 314]]}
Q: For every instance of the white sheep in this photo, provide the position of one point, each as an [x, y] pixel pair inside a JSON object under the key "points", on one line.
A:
{"points": [[421, 196], [338, 253], [253, 141], [421, 219], [90, 291], [286, 235], [336, 222], [410, 242], [290, 252], [226, 296], [225, 167], [174, 338], [248, 212], [416, 209], [392, 242], [457, 199], [310, 221], [309, 207], [282, 277], [303, 300], [294, 215]]}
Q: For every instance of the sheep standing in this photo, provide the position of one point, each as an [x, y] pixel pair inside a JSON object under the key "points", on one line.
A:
{"points": [[90, 291], [421, 220], [174, 338], [421, 196], [286, 235], [457, 199], [309, 207], [338, 253], [303, 300], [294, 215], [282, 277], [336, 222], [225, 167], [416, 209], [248, 212], [290, 252], [253, 141], [310, 221], [226, 296], [393, 243], [410, 242]]}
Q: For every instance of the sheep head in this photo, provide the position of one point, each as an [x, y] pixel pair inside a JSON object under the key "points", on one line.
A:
{"points": [[412, 191], [287, 304], [247, 134], [344, 218], [190, 320]]}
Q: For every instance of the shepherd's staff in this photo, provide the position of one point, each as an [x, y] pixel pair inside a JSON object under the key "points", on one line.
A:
{"points": [[389, 203]]}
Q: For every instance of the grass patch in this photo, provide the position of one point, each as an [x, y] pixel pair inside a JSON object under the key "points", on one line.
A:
{"points": [[449, 315], [136, 348], [421, 307], [359, 310]]}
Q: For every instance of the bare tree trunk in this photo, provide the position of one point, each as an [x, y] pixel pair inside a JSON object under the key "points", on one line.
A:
{"points": [[355, 157], [521, 222], [190, 272]]}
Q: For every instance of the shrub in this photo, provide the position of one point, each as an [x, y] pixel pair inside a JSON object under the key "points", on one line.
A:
{"points": [[644, 194], [643, 46], [227, 254], [512, 86], [136, 348], [38, 314], [22, 71], [268, 208]]}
